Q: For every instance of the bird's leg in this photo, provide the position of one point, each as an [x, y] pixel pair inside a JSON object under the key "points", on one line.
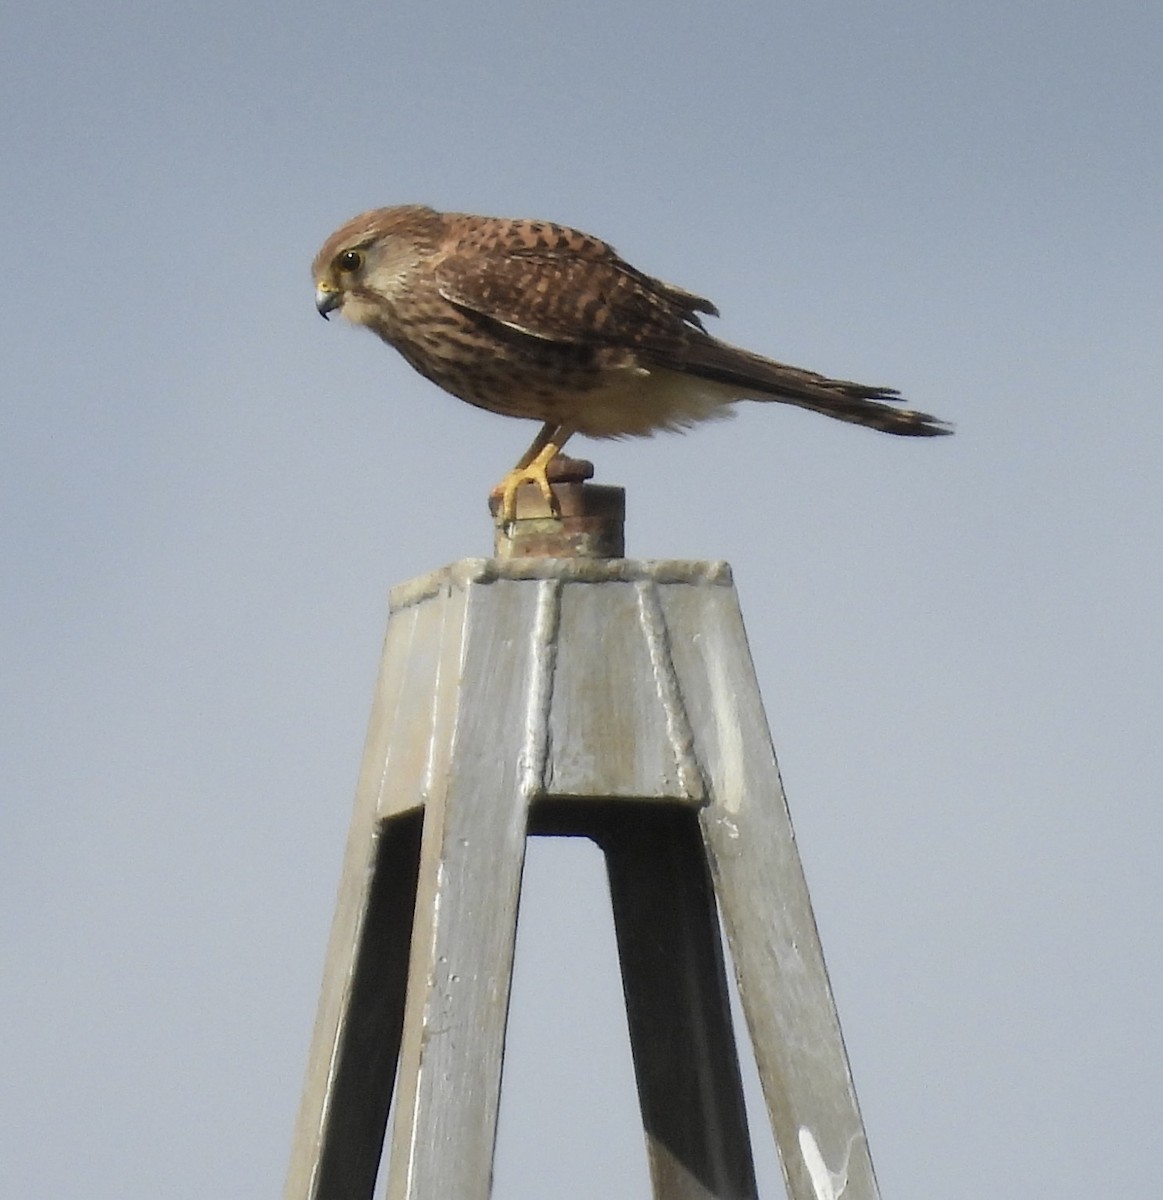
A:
{"points": [[543, 438], [532, 468]]}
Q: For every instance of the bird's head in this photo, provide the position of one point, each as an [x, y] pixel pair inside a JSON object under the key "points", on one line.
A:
{"points": [[365, 264]]}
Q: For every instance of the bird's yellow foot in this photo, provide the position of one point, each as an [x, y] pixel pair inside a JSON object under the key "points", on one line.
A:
{"points": [[533, 468], [534, 472]]}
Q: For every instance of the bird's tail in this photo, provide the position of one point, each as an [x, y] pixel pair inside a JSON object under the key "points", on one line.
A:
{"points": [[762, 378]]}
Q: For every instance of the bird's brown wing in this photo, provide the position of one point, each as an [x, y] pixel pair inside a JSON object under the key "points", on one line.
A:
{"points": [[576, 291], [588, 298]]}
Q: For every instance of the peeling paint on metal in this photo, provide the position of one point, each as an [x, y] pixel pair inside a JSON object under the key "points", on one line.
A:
{"points": [[826, 1183]]}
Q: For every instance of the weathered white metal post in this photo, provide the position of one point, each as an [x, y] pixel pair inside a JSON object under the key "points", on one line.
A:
{"points": [[558, 689]]}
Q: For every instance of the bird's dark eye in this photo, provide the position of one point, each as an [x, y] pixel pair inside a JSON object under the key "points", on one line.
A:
{"points": [[350, 260]]}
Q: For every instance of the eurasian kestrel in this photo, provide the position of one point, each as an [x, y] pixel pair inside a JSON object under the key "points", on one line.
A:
{"points": [[532, 319]]}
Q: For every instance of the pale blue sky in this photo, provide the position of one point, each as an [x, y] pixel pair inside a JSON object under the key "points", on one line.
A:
{"points": [[206, 492]]}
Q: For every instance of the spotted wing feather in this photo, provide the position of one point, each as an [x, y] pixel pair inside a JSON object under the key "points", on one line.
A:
{"points": [[578, 297]]}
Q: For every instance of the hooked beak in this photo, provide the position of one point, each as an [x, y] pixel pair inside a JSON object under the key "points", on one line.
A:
{"points": [[326, 299]]}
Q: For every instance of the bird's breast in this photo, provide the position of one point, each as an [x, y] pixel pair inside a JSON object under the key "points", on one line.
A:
{"points": [[605, 392]]}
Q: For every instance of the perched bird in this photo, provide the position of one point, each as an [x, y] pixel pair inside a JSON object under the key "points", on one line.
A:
{"points": [[532, 319]]}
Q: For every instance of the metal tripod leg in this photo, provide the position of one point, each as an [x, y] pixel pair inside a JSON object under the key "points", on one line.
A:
{"points": [[678, 1007], [345, 1103], [473, 851], [766, 909]]}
